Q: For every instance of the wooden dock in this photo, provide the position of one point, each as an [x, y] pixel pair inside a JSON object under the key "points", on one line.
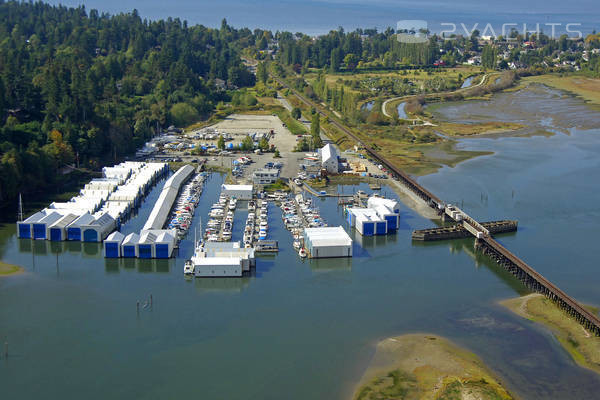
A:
{"points": [[458, 231]]}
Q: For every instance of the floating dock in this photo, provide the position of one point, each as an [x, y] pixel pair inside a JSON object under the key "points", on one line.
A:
{"points": [[459, 232]]}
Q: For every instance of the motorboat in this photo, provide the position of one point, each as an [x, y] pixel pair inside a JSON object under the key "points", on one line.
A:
{"points": [[188, 267], [302, 253]]}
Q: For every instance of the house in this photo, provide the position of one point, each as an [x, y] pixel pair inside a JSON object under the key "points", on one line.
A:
{"points": [[265, 176]]}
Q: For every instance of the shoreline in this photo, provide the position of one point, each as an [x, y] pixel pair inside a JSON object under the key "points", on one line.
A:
{"points": [[427, 366], [583, 347]]}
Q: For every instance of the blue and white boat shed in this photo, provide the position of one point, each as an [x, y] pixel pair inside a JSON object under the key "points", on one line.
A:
{"points": [[129, 246], [112, 245]]}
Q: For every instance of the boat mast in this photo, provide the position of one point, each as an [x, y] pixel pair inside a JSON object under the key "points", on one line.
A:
{"points": [[20, 210]]}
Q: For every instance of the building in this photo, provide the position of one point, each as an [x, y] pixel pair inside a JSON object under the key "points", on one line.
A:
{"points": [[222, 259], [129, 246], [168, 195], [145, 246], [265, 176], [112, 245], [98, 229], [74, 229], [367, 221], [327, 242], [240, 192], [58, 230], [382, 216], [165, 243], [329, 159]]}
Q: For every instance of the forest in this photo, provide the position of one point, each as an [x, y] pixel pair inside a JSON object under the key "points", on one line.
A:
{"points": [[83, 88]]}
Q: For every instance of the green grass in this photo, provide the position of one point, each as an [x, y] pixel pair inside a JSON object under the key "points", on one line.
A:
{"points": [[280, 185]]}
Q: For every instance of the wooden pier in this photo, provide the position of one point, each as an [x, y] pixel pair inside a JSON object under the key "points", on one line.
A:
{"points": [[485, 242], [458, 231]]}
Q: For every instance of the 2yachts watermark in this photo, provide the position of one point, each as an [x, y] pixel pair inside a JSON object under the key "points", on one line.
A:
{"points": [[417, 31]]}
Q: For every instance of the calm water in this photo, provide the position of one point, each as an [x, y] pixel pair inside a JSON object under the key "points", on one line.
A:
{"points": [[402, 110], [300, 330], [321, 16]]}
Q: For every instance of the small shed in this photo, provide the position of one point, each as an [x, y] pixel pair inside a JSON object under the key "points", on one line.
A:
{"points": [[129, 245], [145, 246], [58, 230], [112, 245], [165, 243]]}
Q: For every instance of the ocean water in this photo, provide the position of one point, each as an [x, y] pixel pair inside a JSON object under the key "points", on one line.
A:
{"points": [[320, 16], [307, 329]]}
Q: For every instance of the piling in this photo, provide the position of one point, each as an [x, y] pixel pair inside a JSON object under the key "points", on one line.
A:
{"points": [[5, 350], [138, 307]]}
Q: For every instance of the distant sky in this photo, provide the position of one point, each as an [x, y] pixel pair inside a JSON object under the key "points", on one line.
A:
{"points": [[320, 16]]}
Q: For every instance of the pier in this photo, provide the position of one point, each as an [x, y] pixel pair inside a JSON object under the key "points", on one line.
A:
{"points": [[458, 231], [484, 240]]}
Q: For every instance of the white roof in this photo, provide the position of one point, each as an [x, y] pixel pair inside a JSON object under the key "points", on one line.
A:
{"points": [[85, 219], [328, 236], [64, 221], [132, 238], [209, 261], [116, 236], [391, 204], [237, 187], [328, 152]]}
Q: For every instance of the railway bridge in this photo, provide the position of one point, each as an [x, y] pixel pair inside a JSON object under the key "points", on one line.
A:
{"points": [[484, 240]]}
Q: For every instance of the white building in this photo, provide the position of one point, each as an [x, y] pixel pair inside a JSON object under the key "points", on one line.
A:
{"points": [[222, 259], [265, 176], [329, 159], [327, 242], [129, 245], [112, 245], [98, 229], [240, 192], [367, 221], [58, 230]]}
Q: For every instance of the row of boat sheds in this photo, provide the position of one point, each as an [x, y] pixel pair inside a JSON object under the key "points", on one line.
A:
{"points": [[174, 209], [99, 208]]}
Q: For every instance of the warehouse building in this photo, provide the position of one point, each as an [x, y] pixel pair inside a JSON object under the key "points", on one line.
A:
{"points": [[145, 246], [240, 192], [327, 242], [112, 245], [222, 259]]}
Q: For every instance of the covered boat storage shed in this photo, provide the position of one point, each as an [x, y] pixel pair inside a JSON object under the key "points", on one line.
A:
{"points": [[129, 245], [58, 230], [327, 242], [112, 245], [168, 195]]}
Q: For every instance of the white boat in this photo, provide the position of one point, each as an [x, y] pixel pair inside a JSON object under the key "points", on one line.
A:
{"points": [[297, 244], [188, 268], [232, 204], [302, 253]]}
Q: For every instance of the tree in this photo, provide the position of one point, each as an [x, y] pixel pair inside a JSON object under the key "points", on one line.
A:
{"points": [[263, 144], [262, 74], [183, 114], [296, 113], [247, 143], [315, 125], [221, 142]]}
